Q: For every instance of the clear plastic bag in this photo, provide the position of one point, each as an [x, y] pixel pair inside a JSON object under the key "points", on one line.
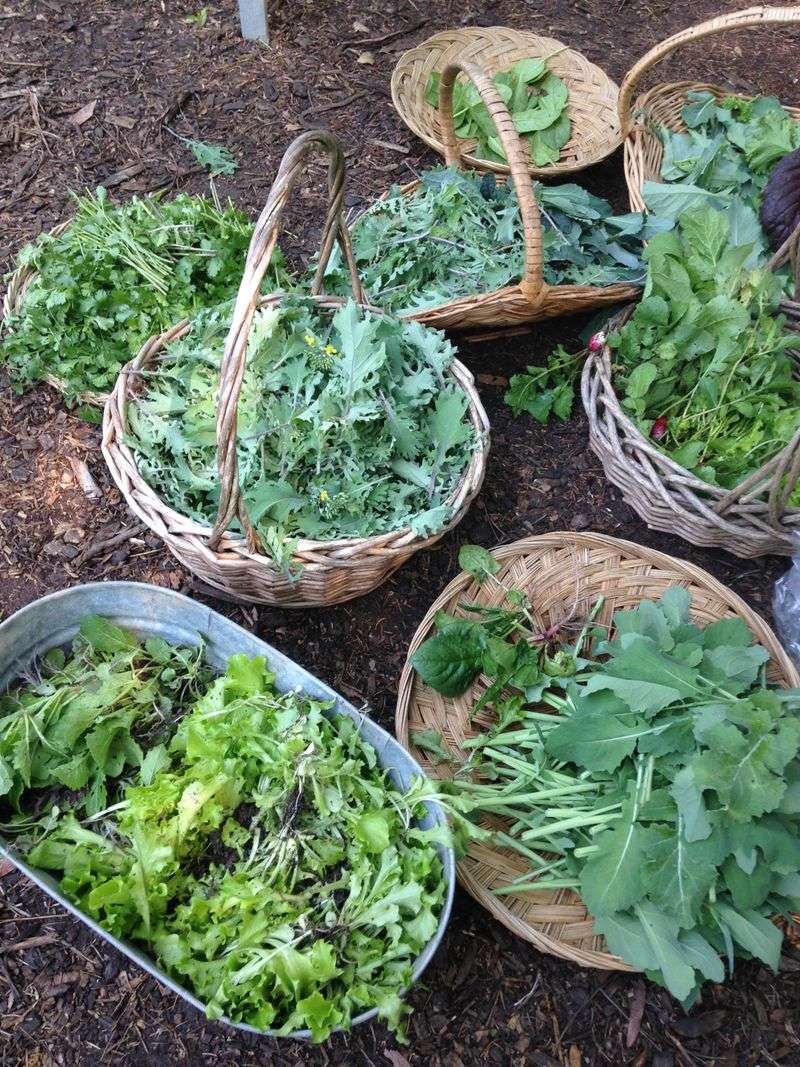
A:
{"points": [[786, 605]]}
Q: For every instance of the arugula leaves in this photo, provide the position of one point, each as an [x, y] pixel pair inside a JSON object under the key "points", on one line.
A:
{"points": [[348, 426], [536, 99], [461, 234], [258, 852], [118, 275], [674, 760]]}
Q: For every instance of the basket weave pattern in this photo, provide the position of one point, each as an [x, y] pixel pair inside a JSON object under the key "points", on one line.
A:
{"points": [[333, 571], [592, 105], [555, 570], [531, 299], [663, 105]]}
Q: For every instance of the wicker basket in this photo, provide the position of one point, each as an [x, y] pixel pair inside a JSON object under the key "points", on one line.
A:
{"points": [[13, 300], [663, 105], [332, 571], [752, 519], [554, 569], [592, 103], [514, 307]]}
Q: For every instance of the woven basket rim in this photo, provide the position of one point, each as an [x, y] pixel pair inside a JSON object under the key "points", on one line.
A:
{"points": [[669, 568], [525, 40], [231, 541]]}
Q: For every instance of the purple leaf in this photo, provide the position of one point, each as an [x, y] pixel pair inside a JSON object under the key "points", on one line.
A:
{"points": [[780, 206]]}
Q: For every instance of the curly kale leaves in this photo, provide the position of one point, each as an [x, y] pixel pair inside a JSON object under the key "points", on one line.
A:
{"points": [[268, 863], [118, 275], [460, 234], [348, 426]]}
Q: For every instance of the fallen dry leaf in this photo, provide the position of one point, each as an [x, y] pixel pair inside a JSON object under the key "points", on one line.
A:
{"points": [[397, 1059], [575, 1059], [82, 114], [125, 121], [6, 867], [366, 59], [359, 27]]}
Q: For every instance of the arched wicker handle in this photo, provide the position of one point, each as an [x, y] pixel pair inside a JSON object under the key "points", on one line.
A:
{"points": [[262, 245], [532, 283], [736, 20]]}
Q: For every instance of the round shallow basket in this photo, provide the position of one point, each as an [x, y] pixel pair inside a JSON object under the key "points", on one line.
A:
{"points": [[330, 571], [13, 302], [752, 519], [514, 307], [557, 571], [592, 105], [640, 118]]}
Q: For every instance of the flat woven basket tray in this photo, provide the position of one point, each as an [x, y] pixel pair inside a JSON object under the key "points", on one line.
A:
{"points": [[592, 94], [557, 569]]}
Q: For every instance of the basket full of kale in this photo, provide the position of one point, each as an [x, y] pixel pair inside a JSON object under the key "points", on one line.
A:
{"points": [[296, 450], [629, 748], [86, 295], [249, 840], [457, 251]]}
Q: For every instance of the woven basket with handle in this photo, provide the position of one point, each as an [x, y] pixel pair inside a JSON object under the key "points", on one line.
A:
{"points": [[663, 105], [557, 571], [592, 105], [531, 299], [752, 519], [332, 571]]}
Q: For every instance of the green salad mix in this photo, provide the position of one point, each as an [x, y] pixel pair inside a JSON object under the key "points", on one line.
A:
{"points": [[251, 842]]}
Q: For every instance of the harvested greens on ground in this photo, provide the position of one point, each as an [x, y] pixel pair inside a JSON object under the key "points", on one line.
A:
{"points": [[120, 273], [536, 98], [258, 852], [348, 425], [656, 773], [704, 365], [460, 234], [725, 156]]}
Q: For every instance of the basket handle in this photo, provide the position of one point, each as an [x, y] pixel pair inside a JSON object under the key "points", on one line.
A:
{"points": [[736, 20], [532, 283], [234, 359]]}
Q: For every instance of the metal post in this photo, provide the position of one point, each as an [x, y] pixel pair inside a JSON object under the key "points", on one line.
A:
{"points": [[253, 17]]}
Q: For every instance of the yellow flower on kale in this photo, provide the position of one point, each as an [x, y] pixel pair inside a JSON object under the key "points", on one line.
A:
{"points": [[310, 340], [329, 350], [324, 496]]}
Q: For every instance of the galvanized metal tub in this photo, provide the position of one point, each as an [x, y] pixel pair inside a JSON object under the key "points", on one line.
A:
{"points": [[151, 611]]}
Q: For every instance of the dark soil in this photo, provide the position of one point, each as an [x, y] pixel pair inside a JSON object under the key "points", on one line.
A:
{"points": [[489, 998]]}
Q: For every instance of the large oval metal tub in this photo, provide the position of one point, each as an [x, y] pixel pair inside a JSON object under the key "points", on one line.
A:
{"points": [[151, 611]]}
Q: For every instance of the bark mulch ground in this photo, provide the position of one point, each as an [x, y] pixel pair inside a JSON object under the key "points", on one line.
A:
{"points": [[489, 998]]}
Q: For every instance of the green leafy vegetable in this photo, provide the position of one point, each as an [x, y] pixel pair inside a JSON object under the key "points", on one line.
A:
{"points": [[258, 852], [652, 778], [536, 99], [347, 426], [460, 234], [118, 275]]}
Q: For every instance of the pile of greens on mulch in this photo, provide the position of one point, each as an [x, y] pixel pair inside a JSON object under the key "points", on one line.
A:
{"points": [[537, 100], [725, 155], [460, 234], [657, 776], [348, 425], [119, 274], [254, 847], [703, 366]]}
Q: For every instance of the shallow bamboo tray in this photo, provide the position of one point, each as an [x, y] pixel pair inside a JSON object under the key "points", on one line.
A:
{"points": [[557, 570]]}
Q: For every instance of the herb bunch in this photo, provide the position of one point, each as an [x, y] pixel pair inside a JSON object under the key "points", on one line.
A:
{"points": [[348, 426], [460, 234], [655, 774], [537, 101], [119, 274], [261, 856]]}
